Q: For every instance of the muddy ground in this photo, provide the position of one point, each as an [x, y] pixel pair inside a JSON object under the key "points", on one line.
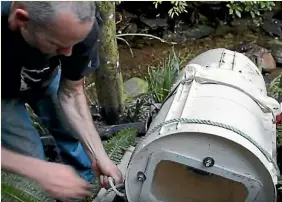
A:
{"points": [[152, 52]]}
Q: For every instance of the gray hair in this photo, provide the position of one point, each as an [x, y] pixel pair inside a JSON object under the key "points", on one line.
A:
{"points": [[43, 12]]}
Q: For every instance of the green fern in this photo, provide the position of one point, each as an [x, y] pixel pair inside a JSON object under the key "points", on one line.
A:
{"points": [[18, 188], [279, 135], [13, 194], [274, 88], [116, 146]]}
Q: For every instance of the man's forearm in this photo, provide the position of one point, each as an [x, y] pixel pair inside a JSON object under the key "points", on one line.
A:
{"points": [[20, 164], [77, 112]]}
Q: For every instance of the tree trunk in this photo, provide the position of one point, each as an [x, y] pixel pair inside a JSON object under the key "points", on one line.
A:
{"points": [[108, 79]]}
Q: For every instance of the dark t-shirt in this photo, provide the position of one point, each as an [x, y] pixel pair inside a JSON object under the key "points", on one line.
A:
{"points": [[24, 68]]}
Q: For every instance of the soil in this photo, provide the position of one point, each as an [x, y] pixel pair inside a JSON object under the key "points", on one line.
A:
{"points": [[150, 53]]}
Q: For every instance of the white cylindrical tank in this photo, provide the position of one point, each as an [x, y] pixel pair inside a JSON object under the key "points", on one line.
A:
{"points": [[214, 138]]}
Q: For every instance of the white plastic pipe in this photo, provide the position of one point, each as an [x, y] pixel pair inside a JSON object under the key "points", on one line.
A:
{"points": [[214, 138]]}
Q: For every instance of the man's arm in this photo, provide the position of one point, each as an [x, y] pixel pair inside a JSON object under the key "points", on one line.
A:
{"points": [[60, 180], [75, 107], [18, 163]]}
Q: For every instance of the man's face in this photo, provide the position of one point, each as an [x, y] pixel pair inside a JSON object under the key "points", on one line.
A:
{"points": [[59, 38]]}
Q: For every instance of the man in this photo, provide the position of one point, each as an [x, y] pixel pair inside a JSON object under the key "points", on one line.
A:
{"points": [[46, 51]]}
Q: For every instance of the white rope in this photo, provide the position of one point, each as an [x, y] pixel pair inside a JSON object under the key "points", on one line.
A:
{"points": [[111, 182]]}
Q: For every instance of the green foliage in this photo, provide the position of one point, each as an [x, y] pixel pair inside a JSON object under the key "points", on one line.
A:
{"points": [[279, 135], [236, 8], [14, 194], [161, 79], [274, 88], [134, 110], [18, 188], [11, 193], [254, 8], [178, 7], [116, 146]]}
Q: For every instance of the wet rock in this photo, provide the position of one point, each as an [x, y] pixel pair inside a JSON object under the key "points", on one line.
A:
{"points": [[245, 22], [184, 33], [261, 56], [174, 37], [198, 32], [135, 87], [276, 48], [243, 47], [255, 53], [253, 50], [266, 62], [131, 28], [276, 51], [273, 27], [155, 23]]}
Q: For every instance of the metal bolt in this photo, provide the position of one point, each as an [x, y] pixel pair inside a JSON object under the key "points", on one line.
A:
{"points": [[141, 176], [208, 162]]}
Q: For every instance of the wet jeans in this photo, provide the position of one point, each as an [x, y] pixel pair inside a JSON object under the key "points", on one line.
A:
{"points": [[18, 133]]}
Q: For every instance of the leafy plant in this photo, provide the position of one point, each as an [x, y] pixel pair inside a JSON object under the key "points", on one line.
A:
{"points": [[116, 146], [135, 110], [161, 79], [178, 7], [274, 88], [13, 194], [18, 188], [279, 134], [254, 8]]}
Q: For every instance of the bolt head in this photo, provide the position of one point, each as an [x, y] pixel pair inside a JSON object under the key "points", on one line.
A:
{"points": [[141, 176], [208, 162]]}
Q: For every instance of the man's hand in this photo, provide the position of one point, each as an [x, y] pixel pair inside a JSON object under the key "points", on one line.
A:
{"points": [[61, 181], [104, 168], [75, 107]]}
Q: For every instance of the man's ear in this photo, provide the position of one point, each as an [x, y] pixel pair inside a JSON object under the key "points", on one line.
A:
{"points": [[21, 17]]}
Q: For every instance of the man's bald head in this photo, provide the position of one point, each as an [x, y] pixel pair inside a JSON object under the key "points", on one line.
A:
{"points": [[53, 27], [42, 13]]}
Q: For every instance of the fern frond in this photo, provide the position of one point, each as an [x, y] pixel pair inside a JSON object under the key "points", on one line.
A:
{"points": [[279, 134], [115, 147], [19, 189], [274, 88]]}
